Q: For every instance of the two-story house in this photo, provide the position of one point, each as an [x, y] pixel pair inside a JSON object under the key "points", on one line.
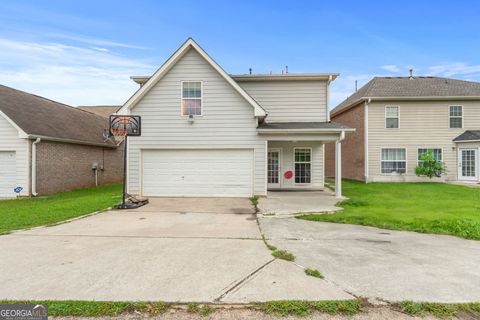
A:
{"points": [[208, 133], [399, 118]]}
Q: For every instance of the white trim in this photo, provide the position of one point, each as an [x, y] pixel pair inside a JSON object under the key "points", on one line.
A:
{"points": [[280, 164], [366, 145], [284, 76], [406, 161], [181, 98], [327, 98], [313, 130], [467, 141], [311, 165], [450, 117], [33, 182], [323, 165], [162, 71], [21, 134], [398, 116]]}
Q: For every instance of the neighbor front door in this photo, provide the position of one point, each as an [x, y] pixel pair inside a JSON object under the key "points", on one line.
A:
{"points": [[468, 164], [273, 167]]}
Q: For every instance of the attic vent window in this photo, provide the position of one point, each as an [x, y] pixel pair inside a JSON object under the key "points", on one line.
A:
{"points": [[192, 98]]}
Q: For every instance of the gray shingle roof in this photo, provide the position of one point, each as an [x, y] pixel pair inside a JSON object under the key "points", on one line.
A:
{"points": [[38, 116], [301, 125], [469, 135], [104, 111], [412, 87]]}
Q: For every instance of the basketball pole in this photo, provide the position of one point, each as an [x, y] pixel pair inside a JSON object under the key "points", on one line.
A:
{"points": [[124, 205]]}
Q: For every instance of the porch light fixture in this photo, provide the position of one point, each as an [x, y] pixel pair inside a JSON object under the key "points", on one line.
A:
{"points": [[191, 120]]}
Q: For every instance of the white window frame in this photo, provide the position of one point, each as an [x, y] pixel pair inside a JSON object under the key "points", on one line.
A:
{"points": [[181, 98], [427, 148], [398, 117], [450, 116], [394, 174], [311, 166]]}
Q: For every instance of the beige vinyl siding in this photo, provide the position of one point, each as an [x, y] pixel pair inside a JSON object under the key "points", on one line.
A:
{"points": [[287, 162], [9, 141], [290, 101], [227, 120], [422, 125]]}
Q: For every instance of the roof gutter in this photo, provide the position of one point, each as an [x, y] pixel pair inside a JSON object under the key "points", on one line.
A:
{"points": [[96, 144], [34, 167], [466, 141], [313, 130]]}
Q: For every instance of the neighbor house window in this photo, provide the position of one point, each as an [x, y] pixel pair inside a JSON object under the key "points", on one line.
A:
{"points": [[392, 117], [394, 161], [456, 116], [191, 98], [303, 164], [437, 154]]}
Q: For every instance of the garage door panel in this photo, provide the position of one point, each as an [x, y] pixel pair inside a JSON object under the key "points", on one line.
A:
{"points": [[198, 172], [7, 174]]}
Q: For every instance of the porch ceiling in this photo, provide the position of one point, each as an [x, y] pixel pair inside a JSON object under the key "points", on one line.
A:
{"points": [[302, 131]]}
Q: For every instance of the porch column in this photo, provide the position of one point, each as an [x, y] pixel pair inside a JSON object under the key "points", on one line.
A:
{"points": [[338, 168]]}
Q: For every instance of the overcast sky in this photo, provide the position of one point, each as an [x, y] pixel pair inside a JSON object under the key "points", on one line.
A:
{"points": [[83, 52]]}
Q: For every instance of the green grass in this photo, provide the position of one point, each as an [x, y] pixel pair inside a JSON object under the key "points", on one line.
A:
{"points": [[422, 207], [283, 254], [305, 308], [439, 310], [24, 213], [313, 273], [97, 308]]}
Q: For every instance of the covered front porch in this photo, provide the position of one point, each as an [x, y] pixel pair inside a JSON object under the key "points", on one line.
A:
{"points": [[296, 155]]}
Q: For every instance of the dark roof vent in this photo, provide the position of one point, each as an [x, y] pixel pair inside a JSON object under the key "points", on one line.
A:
{"points": [[411, 74]]}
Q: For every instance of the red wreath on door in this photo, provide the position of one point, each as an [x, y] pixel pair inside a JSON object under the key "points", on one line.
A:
{"points": [[288, 174]]}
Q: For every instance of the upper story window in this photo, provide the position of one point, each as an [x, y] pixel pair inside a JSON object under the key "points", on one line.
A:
{"points": [[456, 116], [192, 98], [392, 117], [394, 161]]}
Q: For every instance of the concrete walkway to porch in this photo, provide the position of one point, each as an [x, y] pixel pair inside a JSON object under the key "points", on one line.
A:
{"points": [[291, 202]]}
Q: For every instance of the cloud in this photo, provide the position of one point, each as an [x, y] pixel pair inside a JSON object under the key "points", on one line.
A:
{"points": [[93, 41], [391, 68], [454, 69], [101, 49], [69, 74]]}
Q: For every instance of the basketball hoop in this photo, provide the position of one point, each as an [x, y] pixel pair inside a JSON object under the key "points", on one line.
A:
{"points": [[121, 127]]}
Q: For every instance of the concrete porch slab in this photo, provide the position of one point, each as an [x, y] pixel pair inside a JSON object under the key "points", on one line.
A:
{"points": [[294, 202]]}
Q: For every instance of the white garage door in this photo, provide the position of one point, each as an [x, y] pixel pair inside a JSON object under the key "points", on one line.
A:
{"points": [[198, 173], [7, 174]]}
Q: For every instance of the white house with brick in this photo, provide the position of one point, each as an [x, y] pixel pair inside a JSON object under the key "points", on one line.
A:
{"points": [[209, 133]]}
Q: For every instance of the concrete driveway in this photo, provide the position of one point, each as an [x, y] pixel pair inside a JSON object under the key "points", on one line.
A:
{"points": [[383, 264], [174, 249]]}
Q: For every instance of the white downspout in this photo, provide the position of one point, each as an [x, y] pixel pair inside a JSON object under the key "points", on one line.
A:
{"points": [[367, 173], [327, 97], [34, 167], [338, 165]]}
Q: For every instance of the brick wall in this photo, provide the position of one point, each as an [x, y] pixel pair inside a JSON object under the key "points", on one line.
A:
{"points": [[65, 166], [353, 147]]}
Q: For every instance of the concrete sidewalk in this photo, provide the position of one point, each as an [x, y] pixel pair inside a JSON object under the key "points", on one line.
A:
{"points": [[213, 255]]}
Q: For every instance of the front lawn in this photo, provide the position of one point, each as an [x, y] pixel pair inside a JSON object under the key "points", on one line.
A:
{"points": [[422, 207], [31, 212]]}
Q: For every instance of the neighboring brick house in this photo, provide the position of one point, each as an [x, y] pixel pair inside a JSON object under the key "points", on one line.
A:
{"points": [[48, 147], [399, 118]]}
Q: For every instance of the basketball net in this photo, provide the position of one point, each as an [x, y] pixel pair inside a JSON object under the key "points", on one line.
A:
{"points": [[119, 133]]}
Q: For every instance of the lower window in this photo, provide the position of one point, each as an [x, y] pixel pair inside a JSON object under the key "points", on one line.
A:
{"points": [[394, 161], [437, 153], [303, 164]]}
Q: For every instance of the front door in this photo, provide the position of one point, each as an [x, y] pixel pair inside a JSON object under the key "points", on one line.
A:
{"points": [[467, 164], [273, 168]]}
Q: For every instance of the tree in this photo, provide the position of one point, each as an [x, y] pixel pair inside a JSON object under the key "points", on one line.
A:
{"points": [[429, 166]]}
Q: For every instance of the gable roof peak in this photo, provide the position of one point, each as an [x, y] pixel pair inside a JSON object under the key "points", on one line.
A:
{"points": [[174, 58]]}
